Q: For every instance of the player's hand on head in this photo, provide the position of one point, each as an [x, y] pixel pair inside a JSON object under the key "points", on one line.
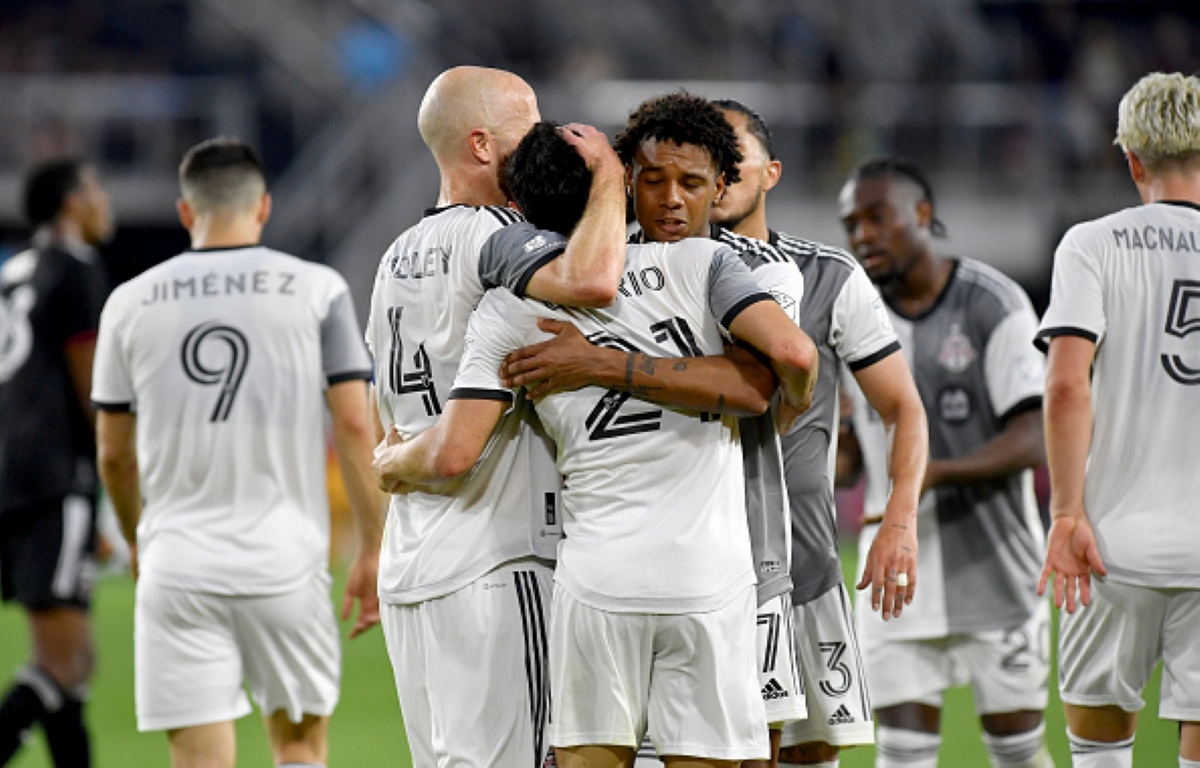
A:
{"points": [[592, 145], [1072, 555]]}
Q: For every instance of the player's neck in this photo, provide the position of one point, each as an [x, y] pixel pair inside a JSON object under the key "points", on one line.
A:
{"points": [[470, 189], [209, 232], [755, 226], [921, 285], [63, 230], [1171, 187]]}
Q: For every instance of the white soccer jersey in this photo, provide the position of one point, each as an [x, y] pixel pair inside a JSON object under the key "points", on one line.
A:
{"points": [[654, 512], [980, 545], [225, 356], [434, 543], [1131, 282]]}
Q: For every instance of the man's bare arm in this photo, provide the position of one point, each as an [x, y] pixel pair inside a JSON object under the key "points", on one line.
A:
{"points": [[1071, 551], [1020, 445], [793, 355], [889, 387], [734, 383], [588, 272], [116, 454], [443, 452], [353, 433]]}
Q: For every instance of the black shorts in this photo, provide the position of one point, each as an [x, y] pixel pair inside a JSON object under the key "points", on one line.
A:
{"points": [[48, 553]]}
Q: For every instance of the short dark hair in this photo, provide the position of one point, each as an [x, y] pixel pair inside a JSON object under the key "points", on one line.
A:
{"points": [[220, 172], [684, 119], [893, 167], [47, 186], [754, 123], [548, 179]]}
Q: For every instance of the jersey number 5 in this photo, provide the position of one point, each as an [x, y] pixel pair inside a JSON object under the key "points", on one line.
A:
{"points": [[216, 355], [1180, 324]]}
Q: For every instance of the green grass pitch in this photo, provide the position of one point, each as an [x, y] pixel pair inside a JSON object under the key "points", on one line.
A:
{"points": [[366, 731]]}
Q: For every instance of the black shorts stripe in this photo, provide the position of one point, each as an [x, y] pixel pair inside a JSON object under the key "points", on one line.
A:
{"points": [[537, 673]]}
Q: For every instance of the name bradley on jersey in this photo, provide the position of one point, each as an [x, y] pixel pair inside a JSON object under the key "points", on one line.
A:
{"points": [[212, 284], [1157, 239]]}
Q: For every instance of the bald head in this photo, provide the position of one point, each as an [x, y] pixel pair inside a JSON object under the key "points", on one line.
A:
{"points": [[466, 99]]}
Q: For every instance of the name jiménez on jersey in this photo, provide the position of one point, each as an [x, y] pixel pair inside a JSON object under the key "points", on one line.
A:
{"points": [[260, 281]]}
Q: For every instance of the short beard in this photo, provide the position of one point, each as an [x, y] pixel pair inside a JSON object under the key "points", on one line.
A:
{"points": [[732, 220]]}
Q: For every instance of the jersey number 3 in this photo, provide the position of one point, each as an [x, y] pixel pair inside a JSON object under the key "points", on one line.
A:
{"points": [[1180, 323], [216, 355]]}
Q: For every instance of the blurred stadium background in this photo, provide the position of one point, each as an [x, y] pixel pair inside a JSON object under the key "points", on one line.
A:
{"points": [[1008, 104]]}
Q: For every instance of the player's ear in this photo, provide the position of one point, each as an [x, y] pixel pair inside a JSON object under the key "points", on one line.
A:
{"points": [[264, 209], [187, 215], [925, 214], [1137, 168], [774, 171], [479, 142]]}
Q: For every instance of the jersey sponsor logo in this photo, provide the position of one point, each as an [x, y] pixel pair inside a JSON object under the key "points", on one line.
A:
{"points": [[534, 243], [216, 355], [957, 353], [260, 282], [841, 717], [773, 690], [1183, 319], [16, 332], [1157, 239], [954, 404]]}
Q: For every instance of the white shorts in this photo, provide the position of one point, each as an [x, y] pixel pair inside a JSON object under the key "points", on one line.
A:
{"points": [[1007, 669], [779, 677], [192, 652], [839, 709], [688, 680], [471, 670], [1108, 649]]}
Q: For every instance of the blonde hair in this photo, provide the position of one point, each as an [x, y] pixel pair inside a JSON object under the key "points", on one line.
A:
{"points": [[1159, 119]]}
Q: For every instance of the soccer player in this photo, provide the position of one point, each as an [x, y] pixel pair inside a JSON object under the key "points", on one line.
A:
{"points": [[213, 373], [465, 569], [1121, 411], [843, 313], [967, 332], [652, 623], [50, 300]]}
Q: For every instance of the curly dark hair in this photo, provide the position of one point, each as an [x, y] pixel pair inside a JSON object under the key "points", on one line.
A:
{"points": [[548, 179], [684, 119], [47, 188]]}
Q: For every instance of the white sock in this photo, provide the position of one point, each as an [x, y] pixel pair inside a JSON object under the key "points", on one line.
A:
{"points": [[902, 748], [1185, 763], [1020, 750], [1086, 753]]}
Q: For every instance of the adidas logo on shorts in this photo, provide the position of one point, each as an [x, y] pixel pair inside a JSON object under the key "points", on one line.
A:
{"points": [[841, 717], [773, 690]]}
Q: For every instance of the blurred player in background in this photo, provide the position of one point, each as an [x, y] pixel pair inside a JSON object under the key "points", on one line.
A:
{"points": [[1122, 406], [50, 300], [966, 330], [213, 374], [844, 314]]}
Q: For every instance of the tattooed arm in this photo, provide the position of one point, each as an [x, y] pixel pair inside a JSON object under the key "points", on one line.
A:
{"points": [[734, 383]]}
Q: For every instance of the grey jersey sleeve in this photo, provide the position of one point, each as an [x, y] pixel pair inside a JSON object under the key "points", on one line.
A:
{"points": [[731, 287], [512, 255], [343, 356]]}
